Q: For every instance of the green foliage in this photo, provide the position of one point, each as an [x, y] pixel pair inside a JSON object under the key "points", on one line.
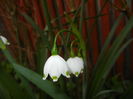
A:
{"points": [[36, 79], [10, 89], [4, 94], [2, 45], [108, 59], [94, 86], [46, 85], [128, 94], [34, 25], [41, 54]]}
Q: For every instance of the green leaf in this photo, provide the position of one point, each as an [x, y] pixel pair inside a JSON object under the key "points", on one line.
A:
{"points": [[128, 94], [26, 85], [34, 25], [46, 14], [109, 59], [42, 33], [2, 45], [48, 19], [41, 54], [107, 42], [103, 92], [36, 79], [4, 94], [46, 86], [116, 55], [14, 89]]}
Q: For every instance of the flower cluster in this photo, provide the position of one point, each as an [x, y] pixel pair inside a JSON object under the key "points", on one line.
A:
{"points": [[56, 65], [3, 42], [75, 65]]}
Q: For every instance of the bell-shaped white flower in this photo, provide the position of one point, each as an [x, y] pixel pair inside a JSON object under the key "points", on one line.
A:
{"points": [[4, 40], [75, 65], [55, 66]]}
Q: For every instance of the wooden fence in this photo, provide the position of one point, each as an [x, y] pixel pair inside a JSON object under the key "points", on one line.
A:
{"points": [[103, 12]]}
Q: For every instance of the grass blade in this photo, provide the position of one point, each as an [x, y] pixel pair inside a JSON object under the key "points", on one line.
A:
{"points": [[48, 19], [36, 79], [4, 94], [11, 85], [34, 25], [46, 14], [42, 33], [109, 59], [108, 40]]}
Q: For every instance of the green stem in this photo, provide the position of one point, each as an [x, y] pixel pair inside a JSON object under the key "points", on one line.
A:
{"points": [[83, 47], [71, 48], [79, 52], [54, 49], [48, 19], [46, 13]]}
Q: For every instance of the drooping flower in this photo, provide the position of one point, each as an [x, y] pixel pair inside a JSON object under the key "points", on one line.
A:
{"points": [[4, 40], [55, 66], [75, 65]]}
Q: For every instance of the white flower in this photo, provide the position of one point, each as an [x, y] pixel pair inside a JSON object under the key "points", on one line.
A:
{"points": [[75, 65], [4, 40], [55, 66]]}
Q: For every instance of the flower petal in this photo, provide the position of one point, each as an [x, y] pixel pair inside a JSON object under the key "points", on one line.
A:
{"points": [[55, 78], [76, 74], [75, 65], [53, 70], [62, 67], [4, 40], [55, 66], [45, 72]]}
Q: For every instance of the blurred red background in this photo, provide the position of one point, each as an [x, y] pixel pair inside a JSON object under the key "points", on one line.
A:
{"points": [[33, 8]]}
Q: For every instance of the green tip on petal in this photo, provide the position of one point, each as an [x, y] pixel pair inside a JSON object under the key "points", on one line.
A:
{"points": [[67, 74], [7, 43], [54, 78], [44, 77], [76, 74]]}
